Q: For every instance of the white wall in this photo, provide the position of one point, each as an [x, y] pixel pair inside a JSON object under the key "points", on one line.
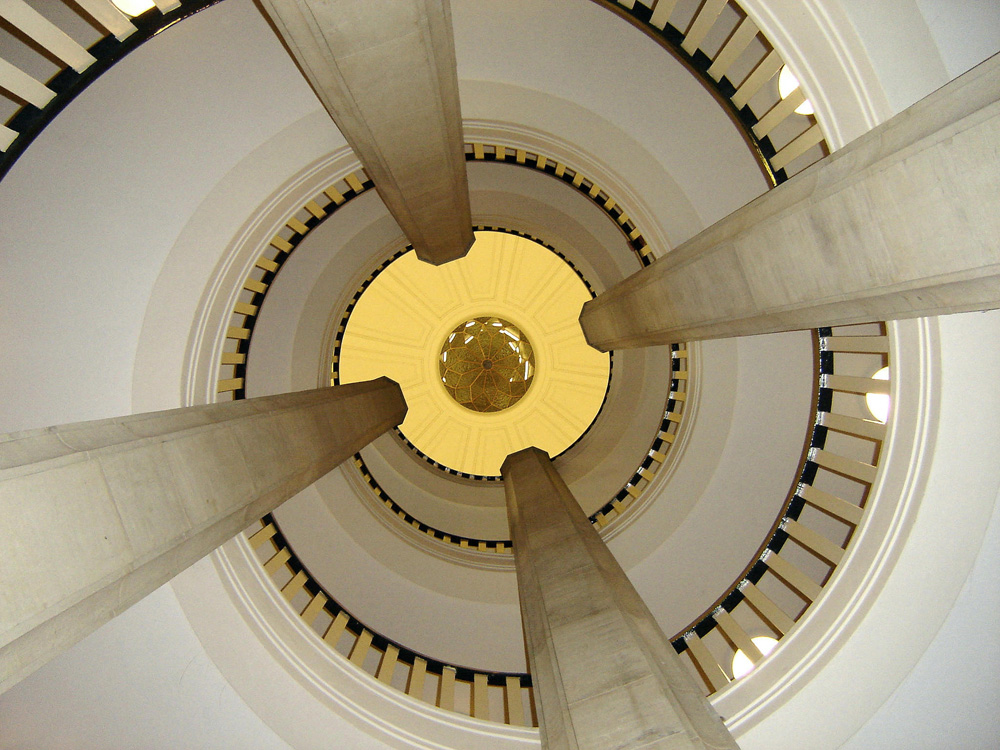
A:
{"points": [[83, 249], [141, 681], [88, 217], [91, 210], [931, 709]]}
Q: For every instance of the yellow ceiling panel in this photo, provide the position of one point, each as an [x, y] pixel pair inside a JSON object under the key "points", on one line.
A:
{"points": [[401, 325]]}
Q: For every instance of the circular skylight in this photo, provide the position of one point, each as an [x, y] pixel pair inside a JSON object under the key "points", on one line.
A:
{"points": [[487, 364]]}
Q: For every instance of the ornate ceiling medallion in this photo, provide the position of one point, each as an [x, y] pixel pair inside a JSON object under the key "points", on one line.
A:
{"points": [[487, 364], [507, 291]]}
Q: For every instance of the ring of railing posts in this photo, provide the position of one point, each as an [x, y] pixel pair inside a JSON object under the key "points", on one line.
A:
{"points": [[29, 120], [380, 642]]}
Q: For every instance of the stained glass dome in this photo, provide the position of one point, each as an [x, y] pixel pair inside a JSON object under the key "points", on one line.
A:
{"points": [[487, 364]]}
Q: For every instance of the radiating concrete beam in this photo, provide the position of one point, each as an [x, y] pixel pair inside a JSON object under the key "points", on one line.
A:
{"points": [[385, 71], [902, 222], [604, 674], [95, 515]]}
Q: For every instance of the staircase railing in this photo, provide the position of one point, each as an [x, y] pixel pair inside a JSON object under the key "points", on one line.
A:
{"points": [[49, 55]]}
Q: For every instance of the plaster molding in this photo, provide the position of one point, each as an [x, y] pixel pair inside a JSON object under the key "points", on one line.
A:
{"points": [[237, 605], [817, 40], [892, 507]]}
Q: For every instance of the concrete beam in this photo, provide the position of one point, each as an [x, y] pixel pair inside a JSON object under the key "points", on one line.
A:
{"points": [[903, 222], [96, 515], [604, 674], [385, 71]]}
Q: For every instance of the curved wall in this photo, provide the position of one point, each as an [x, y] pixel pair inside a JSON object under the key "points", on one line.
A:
{"points": [[87, 308], [466, 614], [88, 217], [90, 213]]}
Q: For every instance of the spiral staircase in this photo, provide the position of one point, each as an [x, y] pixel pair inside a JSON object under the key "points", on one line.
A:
{"points": [[183, 224]]}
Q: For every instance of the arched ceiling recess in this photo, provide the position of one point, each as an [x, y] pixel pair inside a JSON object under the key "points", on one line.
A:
{"points": [[407, 314], [718, 616], [244, 337], [264, 267], [790, 527], [309, 517]]}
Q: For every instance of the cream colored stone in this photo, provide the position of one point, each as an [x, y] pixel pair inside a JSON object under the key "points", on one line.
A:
{"points": [[605, 676], [900, 223], [385, 71], [88, 533], [41, 569]]}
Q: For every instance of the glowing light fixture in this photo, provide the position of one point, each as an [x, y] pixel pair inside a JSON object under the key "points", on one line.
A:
{"points": [[742, 665], [878, 403], [133, 7], [787, 83], [489, 372]]}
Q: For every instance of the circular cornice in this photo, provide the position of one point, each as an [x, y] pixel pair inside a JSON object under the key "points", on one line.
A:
{"points": [[314, 211]]}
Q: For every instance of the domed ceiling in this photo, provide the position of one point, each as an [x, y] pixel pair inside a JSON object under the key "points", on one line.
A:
{"points": [[445, 333], [560, 77]]}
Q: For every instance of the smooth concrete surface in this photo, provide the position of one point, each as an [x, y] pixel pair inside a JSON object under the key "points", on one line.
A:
{"points": [[385, 71], [605, 675], [900, 223], [63, 369], [99, 514]]}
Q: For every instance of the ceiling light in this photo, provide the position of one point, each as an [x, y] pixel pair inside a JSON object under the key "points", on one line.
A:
{"points": [[878, 403], [741, 662], [133, 7], [787, 83]]}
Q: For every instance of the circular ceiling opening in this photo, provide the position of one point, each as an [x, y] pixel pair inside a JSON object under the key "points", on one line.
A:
{"points": [[487, 364], [456, 338]]}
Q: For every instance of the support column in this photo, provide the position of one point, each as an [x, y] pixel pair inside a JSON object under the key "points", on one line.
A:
{"points": [[902, 222], [385, 71], [605, 676], [96, 515]]}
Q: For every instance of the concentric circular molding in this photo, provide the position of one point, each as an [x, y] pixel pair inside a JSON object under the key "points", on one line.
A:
{"points": [[797, 560], [782, 573], [397, 324], [755, 593], [326, 202]]}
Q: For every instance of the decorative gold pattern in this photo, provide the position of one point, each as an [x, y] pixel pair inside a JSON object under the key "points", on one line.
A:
{"points": [[486, 364]]}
